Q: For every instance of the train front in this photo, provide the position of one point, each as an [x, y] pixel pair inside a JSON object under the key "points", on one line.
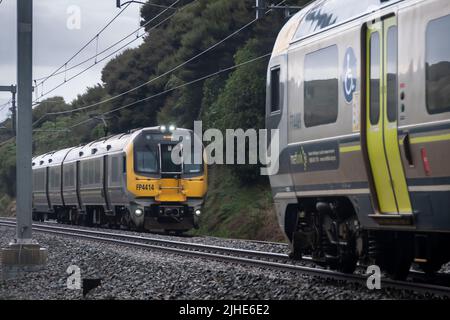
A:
{"points": [[166, 178]]}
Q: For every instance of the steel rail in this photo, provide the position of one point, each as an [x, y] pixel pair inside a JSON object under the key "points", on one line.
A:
{"points": [[311, 271]]}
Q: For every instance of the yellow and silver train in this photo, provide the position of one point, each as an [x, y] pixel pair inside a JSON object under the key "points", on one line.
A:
{"points": [[126, 180], [360, 91]]}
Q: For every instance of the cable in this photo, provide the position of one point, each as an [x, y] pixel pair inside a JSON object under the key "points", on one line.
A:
{"points": [[84, 47], [177, 87], [5, 104], [168, 90], [114, 44], [6, 141], [97, 62], [153, 79]]}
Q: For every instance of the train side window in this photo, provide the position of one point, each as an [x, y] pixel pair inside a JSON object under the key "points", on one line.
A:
{"points": [[321, 93], [275, 89], [115, 169], [375, 78], [97, 168], [438, 66], [392, 95]]}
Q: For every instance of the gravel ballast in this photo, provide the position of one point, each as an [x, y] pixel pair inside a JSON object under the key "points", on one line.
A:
{"points": [[130, 273]]}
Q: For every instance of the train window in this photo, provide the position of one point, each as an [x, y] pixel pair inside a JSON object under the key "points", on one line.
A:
{"points": [[321, 94], [392, 96], [374, 78], [167, 165], [39, 180], [146, 160], [97, 173], [114, 169], [193, 168], [84, 174], [275, 89], [54, 178], [438, 66], [68, 175]]}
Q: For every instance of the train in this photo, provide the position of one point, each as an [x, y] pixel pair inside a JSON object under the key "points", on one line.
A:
{"points": [[360, 93], [127, 180]]}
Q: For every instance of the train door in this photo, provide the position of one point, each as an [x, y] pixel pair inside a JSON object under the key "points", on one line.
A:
{"points": [[386, 167]]}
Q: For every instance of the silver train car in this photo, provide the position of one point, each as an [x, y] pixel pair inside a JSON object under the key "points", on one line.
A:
{"points": [[126, 180], [360, 93]]}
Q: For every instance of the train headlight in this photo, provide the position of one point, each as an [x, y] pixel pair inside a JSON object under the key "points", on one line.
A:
{"points": [[198, 212], [138, 212], [163, 128], [172, 128]]}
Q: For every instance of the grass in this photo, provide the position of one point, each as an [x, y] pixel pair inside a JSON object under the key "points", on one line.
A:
{"points": [[7, 204], [233, 210]]}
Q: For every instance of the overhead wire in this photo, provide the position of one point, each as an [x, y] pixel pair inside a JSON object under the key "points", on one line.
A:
{"points": [[158, 77], [114, 44], [44, 79]]}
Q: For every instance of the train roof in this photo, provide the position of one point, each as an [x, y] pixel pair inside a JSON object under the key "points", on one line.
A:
{"points": [[108, 145], [322, 14], [99, 147], [50, 159]]}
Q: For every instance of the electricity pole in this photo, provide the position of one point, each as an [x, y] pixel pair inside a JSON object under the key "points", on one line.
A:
{"points": [[24, 254]]}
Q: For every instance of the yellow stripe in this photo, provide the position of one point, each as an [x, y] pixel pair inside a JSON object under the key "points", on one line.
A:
{"points": [[443, 137], [350, 149]]}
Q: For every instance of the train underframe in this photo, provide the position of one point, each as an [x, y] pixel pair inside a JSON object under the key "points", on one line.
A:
{"points": [[328, 230], [170, 218]]}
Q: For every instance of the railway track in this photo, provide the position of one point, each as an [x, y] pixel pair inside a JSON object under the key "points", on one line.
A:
{"points": [[254, 258]]}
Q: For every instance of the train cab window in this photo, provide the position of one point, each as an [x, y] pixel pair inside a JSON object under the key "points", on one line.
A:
{"points": [[321, 94], [374, 78], [391, 86], [438, 66], [275, 90], [193, 168], [146, 160], [167, 163]]}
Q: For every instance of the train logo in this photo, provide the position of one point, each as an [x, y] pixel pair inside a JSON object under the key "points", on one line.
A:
{"points": [[349, 74]]}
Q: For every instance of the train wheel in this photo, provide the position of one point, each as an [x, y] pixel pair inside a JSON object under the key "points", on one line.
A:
{"points": [[430, 267], [399, 257]]}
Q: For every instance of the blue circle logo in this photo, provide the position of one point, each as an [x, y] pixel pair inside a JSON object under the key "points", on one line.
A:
{"points": [[349, 77]]}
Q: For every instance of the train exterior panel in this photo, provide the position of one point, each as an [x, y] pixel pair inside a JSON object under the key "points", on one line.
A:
{"points": [[124, 180], [360, 93]]}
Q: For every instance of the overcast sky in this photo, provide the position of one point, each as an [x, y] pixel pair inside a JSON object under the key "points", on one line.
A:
{"points": [[55, 42]]}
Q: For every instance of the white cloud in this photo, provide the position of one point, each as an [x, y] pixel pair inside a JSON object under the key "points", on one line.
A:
{"points": [[54, 43]]}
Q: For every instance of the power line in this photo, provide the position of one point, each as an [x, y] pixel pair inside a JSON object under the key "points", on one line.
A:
{"points": [[7, 141], [115, 44], [5, 104], [85, 46], [153, 79], [165, 92], [101, 60]]}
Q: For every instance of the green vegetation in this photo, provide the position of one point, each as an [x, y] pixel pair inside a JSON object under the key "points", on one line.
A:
{"points": [[236, 211], [233, 99]]}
